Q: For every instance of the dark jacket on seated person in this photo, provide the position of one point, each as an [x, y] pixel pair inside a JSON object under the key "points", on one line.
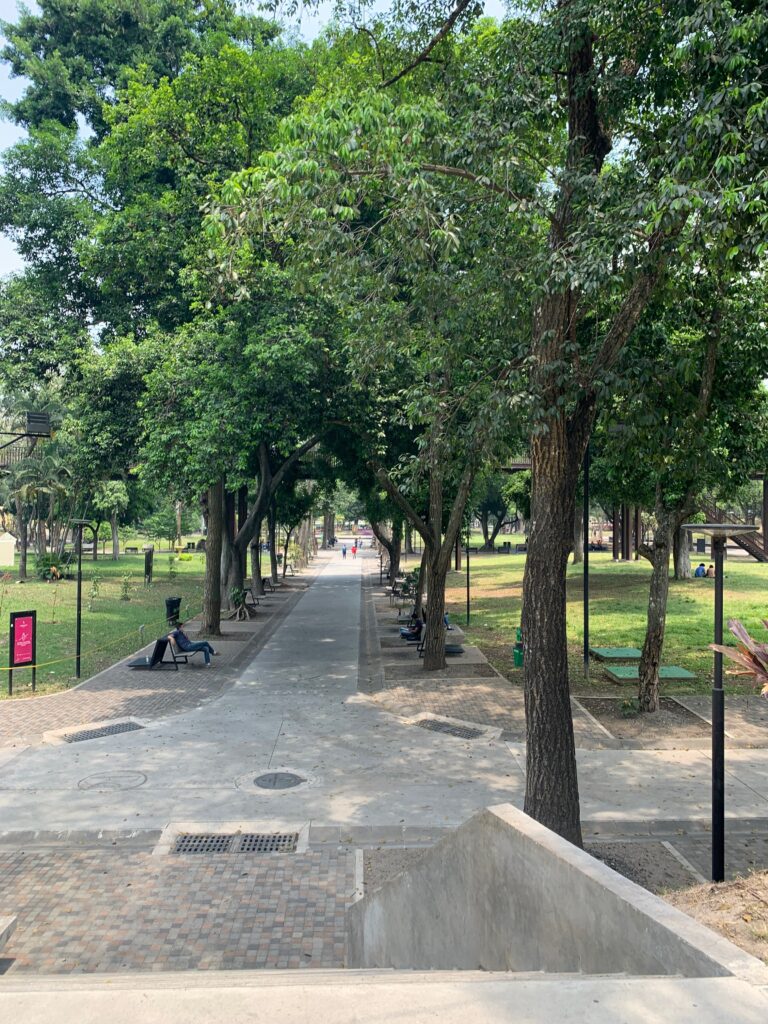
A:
{"points": [[412, 632]]}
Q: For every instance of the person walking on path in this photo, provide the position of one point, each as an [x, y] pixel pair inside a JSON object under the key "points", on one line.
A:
{"points": [[343, 550], [354, 550]]}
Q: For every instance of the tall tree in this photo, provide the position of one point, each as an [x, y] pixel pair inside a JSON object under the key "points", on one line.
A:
{"points": [[519, 128]]}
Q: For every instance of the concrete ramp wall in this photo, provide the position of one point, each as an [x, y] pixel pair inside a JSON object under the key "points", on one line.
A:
{"points": [[503, 893]]}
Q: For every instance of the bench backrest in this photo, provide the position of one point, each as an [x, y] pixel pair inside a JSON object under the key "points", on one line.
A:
{"points": [[161, 645]]}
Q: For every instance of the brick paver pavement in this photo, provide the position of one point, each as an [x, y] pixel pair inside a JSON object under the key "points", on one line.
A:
{"points": [[85, 911], [121, 692]]}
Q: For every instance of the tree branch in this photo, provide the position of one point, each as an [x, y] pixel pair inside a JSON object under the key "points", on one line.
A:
{"points": [[632, 307], [476, 179], [453, 17], [402, 502]]}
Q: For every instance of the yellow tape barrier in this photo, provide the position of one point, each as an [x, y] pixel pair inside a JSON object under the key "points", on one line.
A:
{"points": [[95, 650]]}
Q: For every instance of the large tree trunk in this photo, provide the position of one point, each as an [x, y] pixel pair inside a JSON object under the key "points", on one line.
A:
{"points": [[288, 533], [392, 544], [487, 545], [115, 537], [682, 555], [418, 601], [272, 528], [650, 660], [211, 623], [578, 535], [495, 531], [434, 642], [256, 578], [551, 789], [409, 548], [96, 540], [230, 561]]}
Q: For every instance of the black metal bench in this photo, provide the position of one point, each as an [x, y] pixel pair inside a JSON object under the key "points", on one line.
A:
{"points": [[180, 657], [254, 597], [156, 660]]}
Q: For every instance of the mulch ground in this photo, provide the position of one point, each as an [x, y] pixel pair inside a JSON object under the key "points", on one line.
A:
{"points": [[671, 722]]}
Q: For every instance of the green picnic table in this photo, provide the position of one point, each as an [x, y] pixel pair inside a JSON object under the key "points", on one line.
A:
{"points": [[616, 653], [631, 673]]}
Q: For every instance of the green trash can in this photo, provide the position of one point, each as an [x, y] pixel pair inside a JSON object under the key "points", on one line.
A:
{"points": [[517, 650], [519, 634]]}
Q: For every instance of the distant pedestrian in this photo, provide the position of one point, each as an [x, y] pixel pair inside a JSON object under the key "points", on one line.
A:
{"points": [[701, 571], [710, 572], [354, 550], [343, 550]]}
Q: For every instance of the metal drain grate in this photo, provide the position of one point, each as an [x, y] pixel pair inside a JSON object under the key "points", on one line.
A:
{"points": [[462, 732], [205, 842], [104, 730], [260, 842], [247, 842]]}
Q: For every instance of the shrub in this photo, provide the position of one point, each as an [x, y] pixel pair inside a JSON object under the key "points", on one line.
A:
{"points": [[749, 654]]}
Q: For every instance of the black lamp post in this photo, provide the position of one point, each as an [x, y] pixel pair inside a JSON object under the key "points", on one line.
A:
{"points": [[79, 523], [469, 536], [719, 532], [586, 561]]}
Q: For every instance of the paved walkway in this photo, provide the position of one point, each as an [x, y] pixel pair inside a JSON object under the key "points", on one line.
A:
{"points": [[82, 822], [122, 692]]}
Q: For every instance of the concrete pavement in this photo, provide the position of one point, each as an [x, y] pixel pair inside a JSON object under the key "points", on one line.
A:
{"points": [[370, 779]]}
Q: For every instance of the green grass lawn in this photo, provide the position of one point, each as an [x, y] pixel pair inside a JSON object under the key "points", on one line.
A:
{"points": [[110, 625], [618, 601]]}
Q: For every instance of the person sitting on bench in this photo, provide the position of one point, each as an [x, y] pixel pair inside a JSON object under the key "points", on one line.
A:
{"points": [[412, 632], [187, 646]]}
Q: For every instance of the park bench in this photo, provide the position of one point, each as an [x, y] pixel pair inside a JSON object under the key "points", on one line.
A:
{"points": [[521, 549], [267, 584], [180, 657], [131, 551], [451, 650], [251, 594], [289, 569], [156, 660]]}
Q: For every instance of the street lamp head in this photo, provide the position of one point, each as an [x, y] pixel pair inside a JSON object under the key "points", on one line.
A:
{"points": [[38, 424], [723, 530]]}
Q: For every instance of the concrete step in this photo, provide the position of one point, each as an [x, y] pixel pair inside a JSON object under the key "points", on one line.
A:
{"points": [[377, 997]]}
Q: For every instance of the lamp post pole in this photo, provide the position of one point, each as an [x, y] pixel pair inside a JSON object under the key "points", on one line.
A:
{"points": [[78, 627], [719, 532], [718, 726], [586, 562], [468, 578]]}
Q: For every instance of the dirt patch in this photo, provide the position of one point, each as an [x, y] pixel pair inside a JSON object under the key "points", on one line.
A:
{"points": [[671, 722], [738, 910], [650, 864]]}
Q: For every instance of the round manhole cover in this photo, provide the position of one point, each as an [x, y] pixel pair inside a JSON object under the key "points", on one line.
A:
{"points": [[278, 780], [113, 780]]}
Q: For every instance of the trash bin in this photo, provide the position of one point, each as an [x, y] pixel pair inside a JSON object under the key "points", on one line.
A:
{"points": [[517, 655], [172, 609]]}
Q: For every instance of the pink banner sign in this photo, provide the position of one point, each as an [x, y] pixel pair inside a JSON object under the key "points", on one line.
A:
{"points": [[23, 640]]}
